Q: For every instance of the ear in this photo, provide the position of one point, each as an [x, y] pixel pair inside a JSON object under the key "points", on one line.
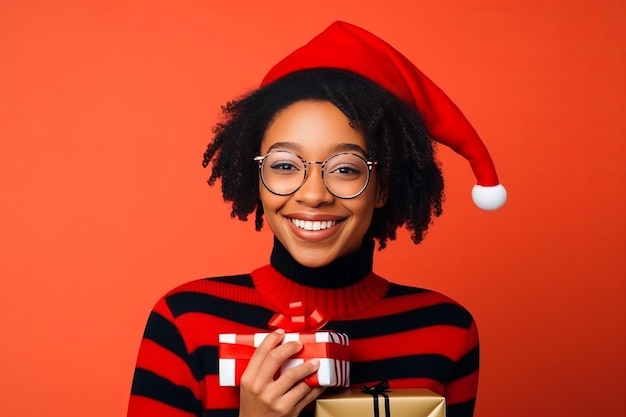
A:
{"points": [[382, 192]]}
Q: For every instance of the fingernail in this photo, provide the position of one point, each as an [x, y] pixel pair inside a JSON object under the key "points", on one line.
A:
{"points": [[280, 331], [315, 362]]}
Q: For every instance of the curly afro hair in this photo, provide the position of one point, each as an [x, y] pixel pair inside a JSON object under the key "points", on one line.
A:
{"points": [[395, 136]]}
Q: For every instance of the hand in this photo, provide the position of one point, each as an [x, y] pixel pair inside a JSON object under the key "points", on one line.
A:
{"points": [[261, 395]]}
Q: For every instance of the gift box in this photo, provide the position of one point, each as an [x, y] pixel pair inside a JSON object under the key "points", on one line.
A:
{"points": [[330, 348], [399, 403]]}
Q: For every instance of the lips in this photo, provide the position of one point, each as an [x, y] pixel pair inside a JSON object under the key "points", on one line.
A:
{"points": [[313, 225]]}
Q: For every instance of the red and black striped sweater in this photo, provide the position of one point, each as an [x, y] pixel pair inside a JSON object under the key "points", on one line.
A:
{"points": [[411, 337]]}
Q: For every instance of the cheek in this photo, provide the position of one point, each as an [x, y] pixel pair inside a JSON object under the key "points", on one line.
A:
{"points": [[363, 210], [271, 203]]}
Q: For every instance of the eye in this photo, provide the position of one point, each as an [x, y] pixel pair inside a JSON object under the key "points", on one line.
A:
{"points": [[345, 170], [346, 167], [284, 166]]}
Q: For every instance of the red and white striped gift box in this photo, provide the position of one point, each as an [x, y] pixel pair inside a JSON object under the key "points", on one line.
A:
{"points": [[330, 348]]}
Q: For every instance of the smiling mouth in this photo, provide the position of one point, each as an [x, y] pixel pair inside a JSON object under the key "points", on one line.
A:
{"points": [[312, 225]]}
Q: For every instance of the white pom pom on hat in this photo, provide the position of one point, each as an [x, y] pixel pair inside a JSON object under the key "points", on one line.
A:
{"points": [[345, 46], [489, 198]]}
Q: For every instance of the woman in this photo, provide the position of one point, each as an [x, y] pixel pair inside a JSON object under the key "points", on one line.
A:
{"points": [[334, 152]]}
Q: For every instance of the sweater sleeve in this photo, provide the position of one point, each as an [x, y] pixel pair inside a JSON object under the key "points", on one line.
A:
{"points": [[462, 386], [164, 383]]}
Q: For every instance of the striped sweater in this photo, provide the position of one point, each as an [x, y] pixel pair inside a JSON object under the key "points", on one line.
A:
{"points": [[412, 337]]}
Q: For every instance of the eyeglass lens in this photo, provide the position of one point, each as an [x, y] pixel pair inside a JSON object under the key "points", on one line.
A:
{"points": [[345, 174]]}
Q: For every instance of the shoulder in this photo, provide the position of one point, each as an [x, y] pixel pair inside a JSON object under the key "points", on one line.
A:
{"points": [[232, 298], [400, 290], [213, 284], [428, 305], [207, 293]]}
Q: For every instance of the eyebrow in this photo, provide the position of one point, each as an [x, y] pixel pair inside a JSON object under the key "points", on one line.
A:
{"points": [[340, 147]]}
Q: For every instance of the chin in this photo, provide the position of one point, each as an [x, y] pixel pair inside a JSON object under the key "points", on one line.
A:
{"points": [[314, 259]]}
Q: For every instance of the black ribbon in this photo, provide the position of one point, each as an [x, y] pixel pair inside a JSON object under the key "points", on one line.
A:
{"points": [[379, 388]]}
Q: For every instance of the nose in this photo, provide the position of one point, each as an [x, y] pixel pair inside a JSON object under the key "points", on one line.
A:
{"points": [[313, 192]]}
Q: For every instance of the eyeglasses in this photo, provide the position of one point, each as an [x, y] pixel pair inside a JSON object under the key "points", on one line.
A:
{"points": [[345, 174]]}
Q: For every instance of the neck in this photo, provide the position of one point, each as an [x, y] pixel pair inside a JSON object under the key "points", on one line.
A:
{"points": [[339, 273], [338, 290]]}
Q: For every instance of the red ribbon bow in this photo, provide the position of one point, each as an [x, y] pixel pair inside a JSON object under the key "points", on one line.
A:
{"points": [[298, 320]]}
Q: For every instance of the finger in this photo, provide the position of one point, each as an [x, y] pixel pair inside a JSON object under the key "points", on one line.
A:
{"points": [[290, 382], [267, 359], [300, 396], [272, 340], [311, 396], [275, 359], [298, 393]]}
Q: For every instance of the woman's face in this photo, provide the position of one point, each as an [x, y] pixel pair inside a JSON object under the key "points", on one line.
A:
{"points": [[313, 225]]}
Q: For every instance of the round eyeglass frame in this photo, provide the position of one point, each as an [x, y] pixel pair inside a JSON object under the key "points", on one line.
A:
{"points": [[261, 158]]}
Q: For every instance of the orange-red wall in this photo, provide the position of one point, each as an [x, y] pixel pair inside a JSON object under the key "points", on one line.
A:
{"points": [[105, 110]]}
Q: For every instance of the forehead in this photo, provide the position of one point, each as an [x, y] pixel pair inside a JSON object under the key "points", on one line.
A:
{"points": [[313, 129]]}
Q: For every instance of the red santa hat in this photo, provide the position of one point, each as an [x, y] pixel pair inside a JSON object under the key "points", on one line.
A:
{"points": [[349, 47]]}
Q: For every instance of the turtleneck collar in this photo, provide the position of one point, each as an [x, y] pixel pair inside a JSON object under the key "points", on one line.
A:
{"points": [[340, 290], [340, 273]]}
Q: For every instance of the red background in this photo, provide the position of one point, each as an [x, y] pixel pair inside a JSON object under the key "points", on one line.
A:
{"points": [[106, 108]]}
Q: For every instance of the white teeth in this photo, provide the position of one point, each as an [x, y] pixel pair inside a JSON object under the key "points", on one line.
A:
{"points": [[313, 225]]}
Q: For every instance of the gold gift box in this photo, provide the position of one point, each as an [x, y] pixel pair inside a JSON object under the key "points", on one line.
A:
{"points": [[402, 402]]}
